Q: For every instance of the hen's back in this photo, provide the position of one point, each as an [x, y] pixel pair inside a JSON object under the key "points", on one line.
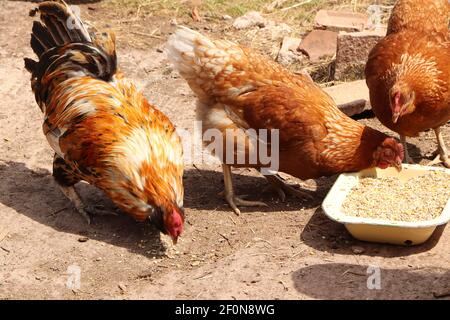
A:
{"points": [[419, 15]]}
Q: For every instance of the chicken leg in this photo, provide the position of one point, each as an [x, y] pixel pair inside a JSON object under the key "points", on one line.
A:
{"points": [[407, 159], [66, 179], [277, 183], [233, 200], [442, 152]]}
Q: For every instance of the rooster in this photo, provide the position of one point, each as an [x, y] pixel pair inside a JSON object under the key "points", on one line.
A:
{"points": [[100, 126], [424, 16], [238, 89], [408, 76]]}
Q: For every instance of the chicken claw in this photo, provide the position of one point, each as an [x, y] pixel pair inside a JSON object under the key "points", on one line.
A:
{"points": [[99, 211], [277, 183], [233, 200], [442, 152], [85, 210]]}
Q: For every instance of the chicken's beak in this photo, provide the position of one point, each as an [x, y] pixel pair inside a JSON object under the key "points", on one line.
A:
{"points": [[398, 166], [395, 117], [174, 240]]}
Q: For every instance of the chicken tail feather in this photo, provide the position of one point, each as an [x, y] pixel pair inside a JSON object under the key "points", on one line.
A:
{"points": [[221, 69], [184, 46], [66, 49], [60, 26], [199, 60]]}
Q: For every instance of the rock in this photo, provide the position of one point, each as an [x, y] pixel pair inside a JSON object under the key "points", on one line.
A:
{"points": [[226, 17], [288, 53], [350, 91], [319, 44], [358, 250], [276, 30], [341, 20], [274, 5], [83, 239], [354, 107], [267, 40], [351, 97], [251, 19], [352, 52]]}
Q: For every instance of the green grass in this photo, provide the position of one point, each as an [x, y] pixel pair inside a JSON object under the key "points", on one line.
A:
{"points": [[235, 8], [232, 8]]}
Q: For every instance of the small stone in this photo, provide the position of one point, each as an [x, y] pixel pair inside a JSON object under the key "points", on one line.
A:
{"points": [[195, 263], [226, 17], [83, 239], [351, 97], [341, 20], [352, 51], [358, 250], [288, 53], [251, 19], [98, 259], [319, 44]]}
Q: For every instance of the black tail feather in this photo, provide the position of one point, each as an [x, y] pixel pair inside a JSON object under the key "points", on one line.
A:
{"points": [[61, 41], [41, 39], [60, 26], [59, 17], [53, 30], [30, 65], [36, 45]]}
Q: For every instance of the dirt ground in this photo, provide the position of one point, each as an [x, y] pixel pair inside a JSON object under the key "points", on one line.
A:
{"points": [[287, 251]]}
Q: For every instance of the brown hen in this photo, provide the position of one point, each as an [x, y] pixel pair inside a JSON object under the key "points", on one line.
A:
{"points": [[421, 15], [238, 90], [408, 76]]}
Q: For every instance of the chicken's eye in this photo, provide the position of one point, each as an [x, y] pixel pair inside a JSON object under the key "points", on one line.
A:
{"points": [[388, 153]]}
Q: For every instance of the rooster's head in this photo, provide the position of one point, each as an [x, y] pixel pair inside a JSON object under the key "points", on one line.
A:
{"points": [[169, 220]]}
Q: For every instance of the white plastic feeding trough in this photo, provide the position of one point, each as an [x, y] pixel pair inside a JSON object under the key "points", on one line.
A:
{"points": [[380, 230]]}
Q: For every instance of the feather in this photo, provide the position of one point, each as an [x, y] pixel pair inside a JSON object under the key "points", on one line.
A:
{"points": [[100, 126], [239, 89]]}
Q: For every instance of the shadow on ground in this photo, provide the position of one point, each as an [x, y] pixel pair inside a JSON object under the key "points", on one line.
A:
{"points": [[204, 187], [34, 194], [349, 281], [324, 234]]}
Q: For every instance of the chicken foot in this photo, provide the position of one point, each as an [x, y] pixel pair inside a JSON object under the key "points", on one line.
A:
{"points": [[407, 159], [442, 152], [277, 183], [233, 200], [66, 179], [85, 210]]}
